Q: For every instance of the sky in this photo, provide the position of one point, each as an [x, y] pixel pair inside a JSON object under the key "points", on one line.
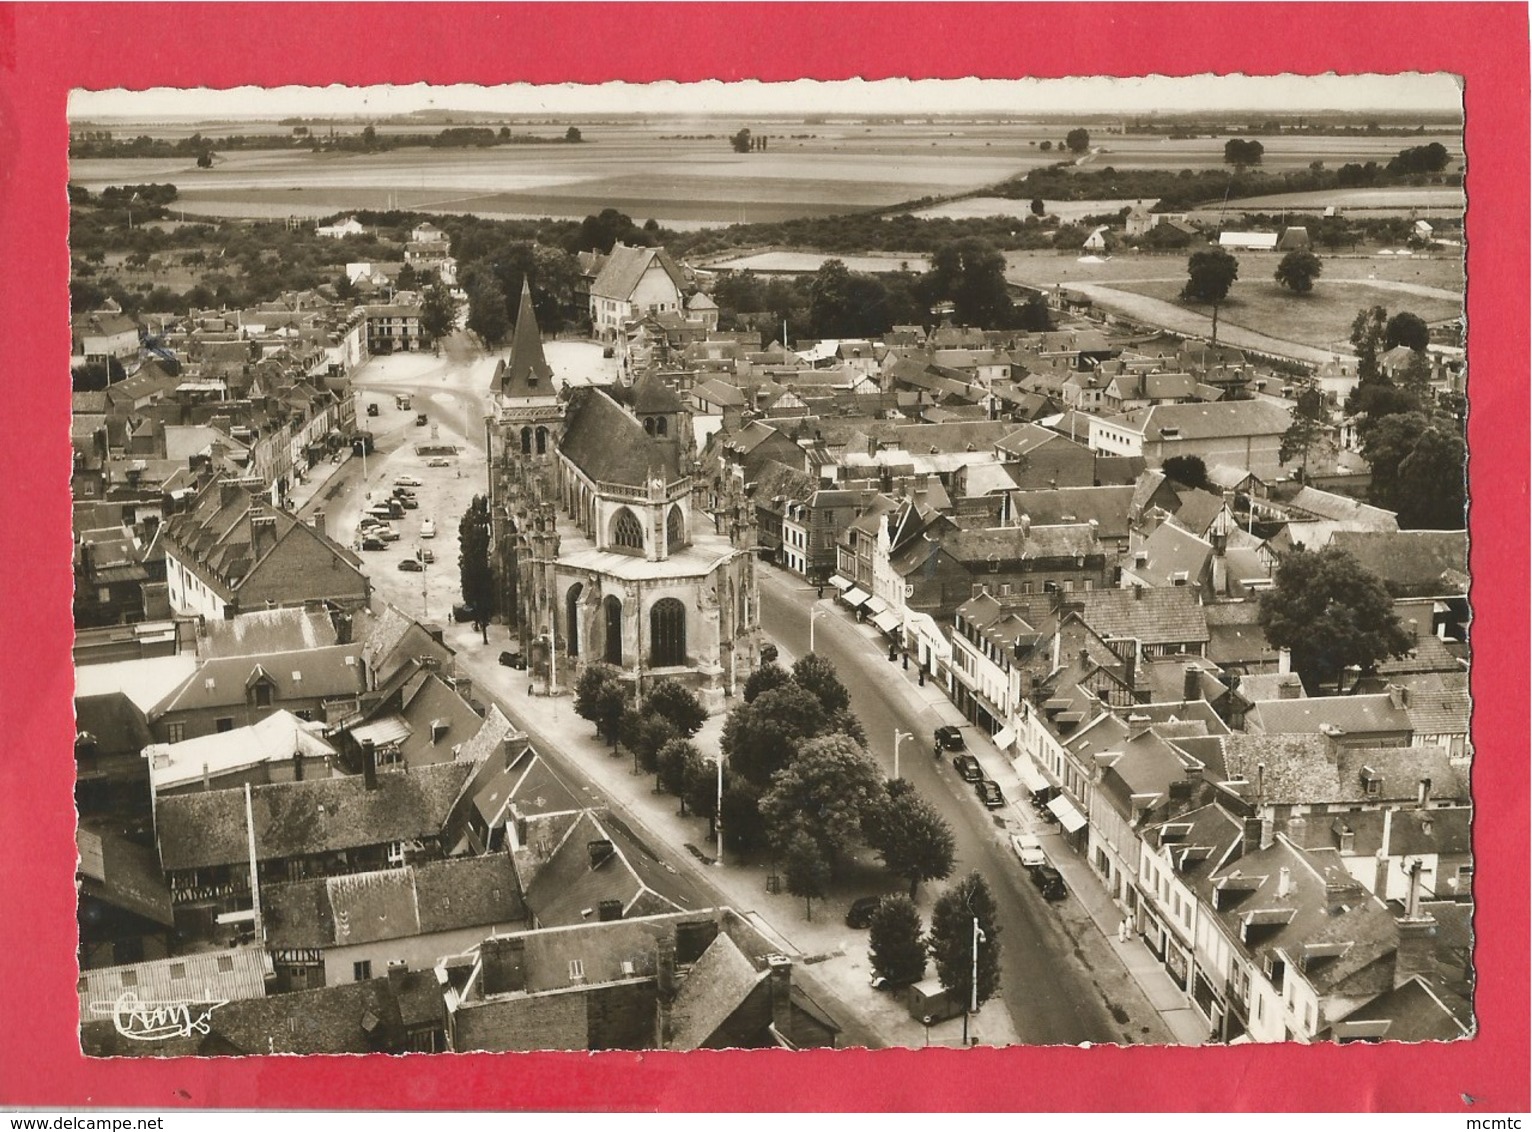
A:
{"points": [[1437, 93]]}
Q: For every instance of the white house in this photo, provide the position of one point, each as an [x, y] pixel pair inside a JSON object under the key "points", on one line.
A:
{"points": [[350, 226], [633, 281]]}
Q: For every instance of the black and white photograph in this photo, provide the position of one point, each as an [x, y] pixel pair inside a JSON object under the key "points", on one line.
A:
{"points": [[740, 565]]}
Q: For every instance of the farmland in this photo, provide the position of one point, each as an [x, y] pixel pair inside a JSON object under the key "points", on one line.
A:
{"points": [[681, 173], [1405, 201]]}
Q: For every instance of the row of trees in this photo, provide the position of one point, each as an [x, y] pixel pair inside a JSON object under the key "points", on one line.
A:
{"points": [[898, 945]]}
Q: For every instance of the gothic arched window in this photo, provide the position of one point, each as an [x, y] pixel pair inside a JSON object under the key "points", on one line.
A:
{"points": [[627, 531], [667, 633], [675, 529], [526, 441]]}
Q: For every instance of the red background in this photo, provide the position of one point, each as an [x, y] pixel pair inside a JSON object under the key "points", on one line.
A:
{"points": [[45, 50]]}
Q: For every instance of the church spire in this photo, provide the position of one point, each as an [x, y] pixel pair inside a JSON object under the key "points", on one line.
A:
{"points": [[528, 374]]}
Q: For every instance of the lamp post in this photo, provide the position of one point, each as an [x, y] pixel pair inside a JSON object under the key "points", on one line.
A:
{"points": [[899, 736], [814, 612], [973, 979], [718, 815]]}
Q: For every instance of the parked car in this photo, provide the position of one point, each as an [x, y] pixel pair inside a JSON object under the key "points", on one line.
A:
{"points": [[512, 660], [388, 534], [862, 908], [425, 555], [406, 481], [401, 492], [1049, 882], [420, 418], [427, 529], [462, 611], [372, 544], [372, 408], [410, 503], [1029, 849], [951, 738], [968, 767], [410, 566], [438, 462], [989, 793]]}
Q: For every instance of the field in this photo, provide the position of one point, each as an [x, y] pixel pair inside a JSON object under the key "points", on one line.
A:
{"points": [[1425, 202], [978, 208], [1044, 269], [805, 263], [681, 173]]}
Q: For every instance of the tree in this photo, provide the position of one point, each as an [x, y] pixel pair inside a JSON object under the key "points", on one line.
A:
{"points": [[1431, 488], [1078, 140], [601, 697], [1367, 341], [369, 137], [1308, 430], [912, 838], [895, 947], [805, 868], [1038, 207], [674, 763], [826, 787], [761, 736], [817, 674], [1298, 270], [205, 159], [487, 314], [764, 679], [1406, 329], [644, 734], [971, 274], [741, 141], [407, 279], [573, 134], [1237, 151], [1045, 146], [438, 311], [952, 941], [1209, 275], [1332, 613], [677, 705], [475, 573], [1189, 471], [700, 787]]}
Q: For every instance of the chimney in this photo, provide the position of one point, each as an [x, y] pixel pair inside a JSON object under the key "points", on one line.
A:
{"points": [[317, 521], [1423, 793], [1333, 736], [263, 533], [1284, 882], [1138, 591], [781, 985], [1414, 628], [1284, 661], [1025, 524], [1399, 697], [599, 850], [1289, 688], [297, 766], [1191, 683], [207, 781], [369, 764]]}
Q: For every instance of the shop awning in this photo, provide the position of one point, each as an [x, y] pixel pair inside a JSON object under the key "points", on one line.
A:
{"points": [[1069, 817], [886, 622], [842, 584], [1030, 776], [1004, 738], [855, 597], [876, 605]]}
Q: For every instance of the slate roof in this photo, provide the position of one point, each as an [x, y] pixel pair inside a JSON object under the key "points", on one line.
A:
{"points": [[1352, 714], [300, 674], [652, 394], [1156, 616], [1107, 505], [625, 266], [438, 896], [1211, 421], [119, 872], [266, 631], [1438, 703], [1197, 509], [526, 361], [1410, 1012], [313, 816], [1341, 508], [1173, 554], [975, 546], [610, 445], [1411, 562], [716, 987]]}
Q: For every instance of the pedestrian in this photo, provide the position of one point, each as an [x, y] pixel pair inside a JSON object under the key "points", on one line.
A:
{"points": [[1122, 932]]}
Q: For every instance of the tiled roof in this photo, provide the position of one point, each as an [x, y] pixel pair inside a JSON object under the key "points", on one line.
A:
{"points": [[1212, 421], [568, 888], [122, 873], [1341, 508], [625, 266], [1197, 510], [313, 816], [1425, 562], [1290, 768], [1109, 506], [714, 989], [301, 674], [438, 896], [976, 546], [1411, 1012], [1155, 616], [1175, 556], [266, 631], [610, 445]]}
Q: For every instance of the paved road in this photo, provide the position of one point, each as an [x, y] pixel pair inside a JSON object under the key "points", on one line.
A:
{"points": [[1049, 993]]}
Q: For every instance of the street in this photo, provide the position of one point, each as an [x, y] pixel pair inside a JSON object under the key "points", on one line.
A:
{"points": [[1049, 992]]}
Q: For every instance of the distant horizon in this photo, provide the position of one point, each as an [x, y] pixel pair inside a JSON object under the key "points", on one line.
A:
{"points": [[1436, 94]]}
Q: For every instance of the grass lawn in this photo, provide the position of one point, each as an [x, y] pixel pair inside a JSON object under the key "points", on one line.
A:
{"points": [[1319, 319]]}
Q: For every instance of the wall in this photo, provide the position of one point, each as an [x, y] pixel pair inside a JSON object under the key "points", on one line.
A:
{"points": [[188, 593], [421, 951]]}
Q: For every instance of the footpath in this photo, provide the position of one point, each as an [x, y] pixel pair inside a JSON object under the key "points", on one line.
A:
{"points": [[1144, 973]]}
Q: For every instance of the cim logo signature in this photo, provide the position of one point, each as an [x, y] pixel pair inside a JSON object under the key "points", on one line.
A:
{"points": [[151, 1021]]}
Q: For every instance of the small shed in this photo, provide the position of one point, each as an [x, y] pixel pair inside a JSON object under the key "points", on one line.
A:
{"points": [[929, 1002], [1096, 241]]}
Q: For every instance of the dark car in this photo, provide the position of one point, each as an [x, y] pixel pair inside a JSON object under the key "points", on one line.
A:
{"points": [[862, 908], [420, 418], [410, 503], [463, 612], [1049, 882], [512, 660], [410, 566], [968, 767], [950, 738], [372, 409], [372, 544], [989, 793]]}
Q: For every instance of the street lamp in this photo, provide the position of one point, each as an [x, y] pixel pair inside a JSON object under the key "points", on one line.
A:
{"points": [[814, 612], [899, 736], [973, 981]]}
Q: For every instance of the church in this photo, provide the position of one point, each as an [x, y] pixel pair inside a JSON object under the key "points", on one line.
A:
{"points": [[605, 546]]}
